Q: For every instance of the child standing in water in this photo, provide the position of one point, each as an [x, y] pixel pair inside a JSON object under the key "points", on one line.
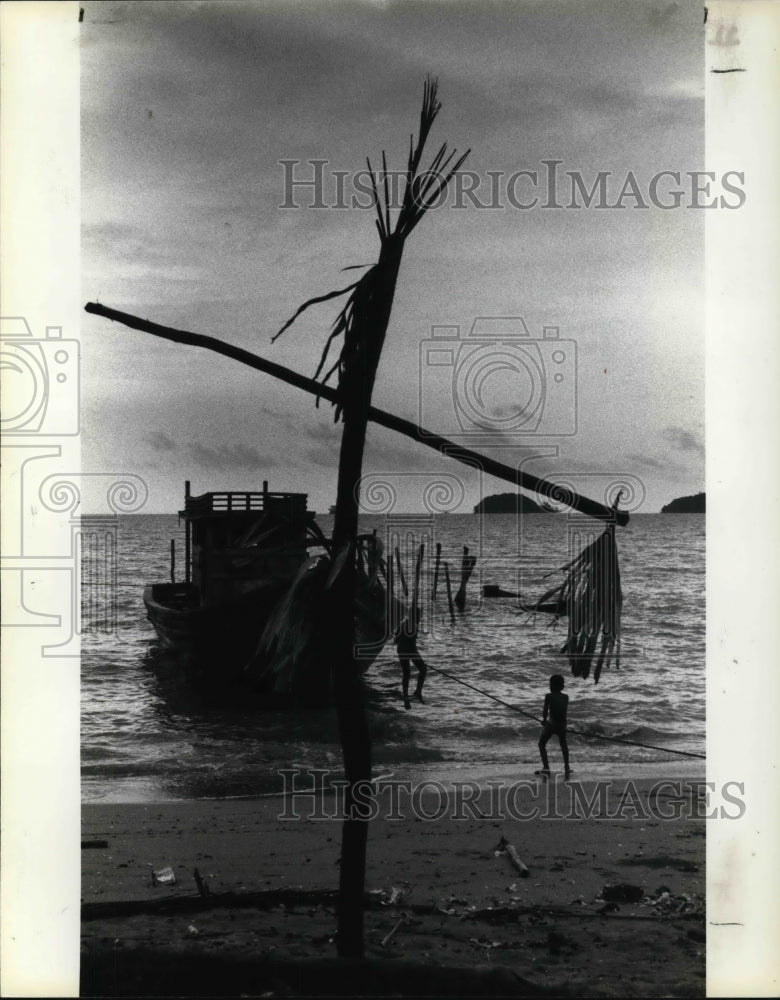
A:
{"points": [[556, 704], [406, 641]]}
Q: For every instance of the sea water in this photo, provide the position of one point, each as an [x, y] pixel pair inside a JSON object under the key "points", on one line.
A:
{"points": [[146, 735]]}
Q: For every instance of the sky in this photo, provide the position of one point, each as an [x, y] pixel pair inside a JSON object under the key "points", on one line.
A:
{"points": [[189, 109]]}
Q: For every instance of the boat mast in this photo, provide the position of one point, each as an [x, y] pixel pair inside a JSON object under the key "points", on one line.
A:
{"points": [[187, 535]]}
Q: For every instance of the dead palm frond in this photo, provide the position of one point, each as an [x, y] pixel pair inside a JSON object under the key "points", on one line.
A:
{"points": [[591, 598], [362, 323]]}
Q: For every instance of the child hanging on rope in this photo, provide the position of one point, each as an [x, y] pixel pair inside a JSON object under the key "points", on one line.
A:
{"points": [[406, 643], [554, 723]]}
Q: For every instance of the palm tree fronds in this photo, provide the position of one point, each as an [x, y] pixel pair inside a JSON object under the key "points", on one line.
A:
{"points": [[312, 302], [362, 322]]}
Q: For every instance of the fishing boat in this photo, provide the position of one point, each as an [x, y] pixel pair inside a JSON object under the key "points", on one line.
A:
{"points": [[246, 612]]}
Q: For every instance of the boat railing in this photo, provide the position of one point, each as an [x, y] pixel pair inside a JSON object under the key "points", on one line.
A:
{"points": [[229, 502]]}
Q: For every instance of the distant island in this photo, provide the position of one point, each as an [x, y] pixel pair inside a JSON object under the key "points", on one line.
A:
{"points": [[509, 503], [696, 504]]}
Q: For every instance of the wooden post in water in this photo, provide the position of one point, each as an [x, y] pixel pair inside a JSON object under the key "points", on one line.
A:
{"points": [[417, 571], [449, 591], [466, 569], [401, 576], [436, 571], [390, 621], [187, 536], [173, 560]]}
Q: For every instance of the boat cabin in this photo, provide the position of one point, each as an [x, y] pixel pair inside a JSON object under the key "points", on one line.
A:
{"points": [[238, 541]]}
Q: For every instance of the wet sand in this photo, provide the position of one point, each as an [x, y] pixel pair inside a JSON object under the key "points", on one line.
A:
{"points": [[266, 923]]}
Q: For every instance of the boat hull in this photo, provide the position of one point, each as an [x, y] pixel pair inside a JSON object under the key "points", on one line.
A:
{"points": [[217, 640], [220, 646]]}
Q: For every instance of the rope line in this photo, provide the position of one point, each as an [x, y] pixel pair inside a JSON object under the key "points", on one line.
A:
{"points": [[577, 732]]}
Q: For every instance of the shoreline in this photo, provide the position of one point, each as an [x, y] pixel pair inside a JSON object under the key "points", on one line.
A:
{"points": [[460, 898], [138, 790]]}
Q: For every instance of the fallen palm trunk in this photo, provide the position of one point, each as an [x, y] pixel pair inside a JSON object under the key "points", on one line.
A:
{"points": [[542, 487]]}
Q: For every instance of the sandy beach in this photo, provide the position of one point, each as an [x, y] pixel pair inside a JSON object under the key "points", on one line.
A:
{"points": [[612, 903]]}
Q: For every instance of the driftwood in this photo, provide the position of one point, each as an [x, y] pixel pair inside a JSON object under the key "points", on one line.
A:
{"points": [[270, 899], [403, 919], [511, 852], [493, 590], [203, 889]]}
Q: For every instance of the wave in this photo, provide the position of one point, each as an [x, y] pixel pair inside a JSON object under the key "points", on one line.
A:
{"points": [[640, 732]]}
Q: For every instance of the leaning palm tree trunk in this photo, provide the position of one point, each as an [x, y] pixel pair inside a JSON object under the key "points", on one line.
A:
{"points": [[362, 325], [410, 429]]}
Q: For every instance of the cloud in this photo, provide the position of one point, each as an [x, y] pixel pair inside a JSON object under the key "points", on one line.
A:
{"points": [[233, 456], [683, 440], [323, 447], [394, 453], [663, 14], [161, 442], [646, 461], [220, 456]]}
